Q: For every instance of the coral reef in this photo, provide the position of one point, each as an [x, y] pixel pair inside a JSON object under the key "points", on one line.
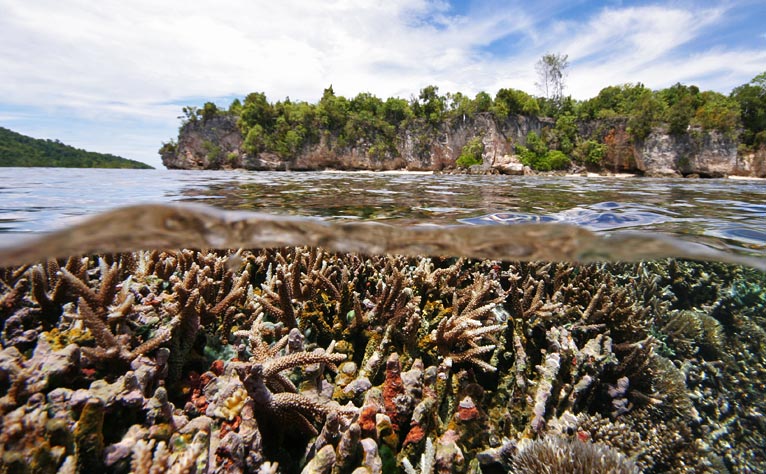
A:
{"points": [[300, 360]]}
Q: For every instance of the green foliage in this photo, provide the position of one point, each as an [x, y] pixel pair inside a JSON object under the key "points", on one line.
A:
{"points": [[614, 101], [536, 144], [682, 103], [255, 140], [717, 112], [556, 160], [20, 150], [678, 106], [396, 111], [190, 115], [636, 103], [209, 110], [368, 123], [471, 154], [513, 101], [236, 107], [564, 134], [332, 111], [751, 98], [170, 148], [644, 114], [429, 105], [256, 111], [590, 152], [482, 102], [537, 156], [213, 152]]}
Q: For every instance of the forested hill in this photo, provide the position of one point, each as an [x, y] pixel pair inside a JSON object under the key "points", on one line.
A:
{"points": [[20, 150], [679, 130]]}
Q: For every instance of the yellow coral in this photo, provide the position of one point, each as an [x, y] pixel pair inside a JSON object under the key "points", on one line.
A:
{"points": [[232, 405], [59, 339]]}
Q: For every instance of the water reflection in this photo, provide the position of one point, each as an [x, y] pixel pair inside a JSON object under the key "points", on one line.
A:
{"points": [[728, 213]]}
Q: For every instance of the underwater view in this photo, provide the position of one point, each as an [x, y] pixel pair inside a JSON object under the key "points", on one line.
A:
{"points": [[373, 323]]}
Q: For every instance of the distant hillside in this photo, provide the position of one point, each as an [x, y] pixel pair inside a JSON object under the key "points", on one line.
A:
{"points": [[19, 150]]}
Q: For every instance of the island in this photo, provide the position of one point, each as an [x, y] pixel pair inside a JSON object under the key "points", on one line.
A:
{"points": [[17, 150], [677, 131]]}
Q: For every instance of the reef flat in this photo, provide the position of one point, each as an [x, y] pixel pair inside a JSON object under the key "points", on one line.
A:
{"points": [[301, 360]]}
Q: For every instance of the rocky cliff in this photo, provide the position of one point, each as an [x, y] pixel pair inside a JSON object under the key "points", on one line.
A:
{"points": [[707, 154], [217, 143]]}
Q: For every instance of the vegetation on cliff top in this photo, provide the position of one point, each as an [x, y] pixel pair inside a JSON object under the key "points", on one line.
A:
{"points": [[20, 150], [372, 124]]}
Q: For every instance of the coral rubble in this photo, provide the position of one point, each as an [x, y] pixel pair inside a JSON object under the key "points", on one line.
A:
{"points": [[300, 360]]}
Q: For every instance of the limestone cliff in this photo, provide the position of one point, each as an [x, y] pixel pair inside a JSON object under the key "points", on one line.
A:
{"points": [[216, 143], [707, 154]]}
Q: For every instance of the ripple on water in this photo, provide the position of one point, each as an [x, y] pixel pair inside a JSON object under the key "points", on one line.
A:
{"points": [[597, 217]]}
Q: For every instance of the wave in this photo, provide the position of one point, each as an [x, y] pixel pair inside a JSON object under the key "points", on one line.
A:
{"points": [[176, 226]]}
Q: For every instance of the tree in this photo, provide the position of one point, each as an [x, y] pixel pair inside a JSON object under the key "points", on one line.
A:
{"points": [[751, 98], [643, 113], [717, 112], [551, 70], [482, 101], [190, 114], [513, 101], [256, 111], [430, 105], [537, 156], [396, 111], [209, 110], [471, 154], [333, 110]]}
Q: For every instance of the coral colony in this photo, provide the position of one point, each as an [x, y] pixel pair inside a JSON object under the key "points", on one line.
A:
{"points": [[298, 360]]}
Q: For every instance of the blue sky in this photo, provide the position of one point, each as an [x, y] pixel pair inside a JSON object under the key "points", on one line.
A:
{"points": [[112, 76]]}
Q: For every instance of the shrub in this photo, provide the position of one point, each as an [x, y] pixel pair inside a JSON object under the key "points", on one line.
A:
{"points": [[590, 152], [471, 154], [537, 156], [556, 160]]}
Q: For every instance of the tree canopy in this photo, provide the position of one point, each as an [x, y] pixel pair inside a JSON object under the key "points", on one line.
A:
{"points": [[373, 124], [23, 151]]}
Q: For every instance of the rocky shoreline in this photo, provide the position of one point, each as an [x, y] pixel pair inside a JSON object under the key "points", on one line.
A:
{"points": [[217, 143]]}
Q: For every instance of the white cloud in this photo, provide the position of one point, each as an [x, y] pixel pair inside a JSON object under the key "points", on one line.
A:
{"points": [[127, 61]]}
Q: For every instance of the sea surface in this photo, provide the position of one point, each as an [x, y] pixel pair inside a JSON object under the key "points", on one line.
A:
{"points": [[480, 323], [717, 219]]}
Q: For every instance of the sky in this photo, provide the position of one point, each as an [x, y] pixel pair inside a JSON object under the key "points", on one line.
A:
{"points": [[112, 76]]}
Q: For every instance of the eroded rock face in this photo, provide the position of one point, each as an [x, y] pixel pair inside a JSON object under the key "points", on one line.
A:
{"points": [[216, 143], [709, 154], [752, 164]]}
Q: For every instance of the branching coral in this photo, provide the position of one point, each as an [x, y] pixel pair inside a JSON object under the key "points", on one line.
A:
{"points": [[456, 336], [478, 353], [108, 346], [277, 402]]}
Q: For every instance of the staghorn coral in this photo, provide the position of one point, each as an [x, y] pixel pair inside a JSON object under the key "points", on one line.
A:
{"points": [[456, 336], [607, 354]]}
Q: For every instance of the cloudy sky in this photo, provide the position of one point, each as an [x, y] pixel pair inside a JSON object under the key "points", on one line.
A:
{"points": [[113, 75]]}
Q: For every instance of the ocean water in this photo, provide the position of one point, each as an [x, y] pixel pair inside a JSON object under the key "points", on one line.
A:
{"points": [[722, 217], [618, 320]]}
